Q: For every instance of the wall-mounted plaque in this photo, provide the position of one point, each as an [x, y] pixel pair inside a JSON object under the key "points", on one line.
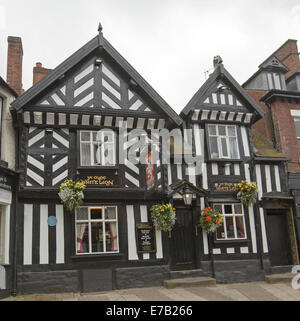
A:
{"points": [[107, 178], [145, 236], [225, 187]]}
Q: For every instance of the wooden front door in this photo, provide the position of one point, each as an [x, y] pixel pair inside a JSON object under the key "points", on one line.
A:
{"points": [[183, 241], [278, 238]]}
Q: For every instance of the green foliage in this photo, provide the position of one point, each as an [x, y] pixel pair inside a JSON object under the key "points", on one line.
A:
{"points": [[71, 194], [163, 216], [247, 192]]}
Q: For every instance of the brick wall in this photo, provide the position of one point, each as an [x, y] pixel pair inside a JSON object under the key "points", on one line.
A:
{"points": [[285, 131]]}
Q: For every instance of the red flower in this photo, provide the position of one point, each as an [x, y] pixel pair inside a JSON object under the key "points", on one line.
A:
{"points": [[208, 218]]}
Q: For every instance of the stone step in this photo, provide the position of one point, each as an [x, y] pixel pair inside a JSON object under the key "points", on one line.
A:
{"points": [[279, 278], [186, 274], [281, 269], [189, 282]]}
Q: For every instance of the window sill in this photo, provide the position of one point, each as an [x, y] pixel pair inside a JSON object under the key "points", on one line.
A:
{"points": [[232, 242], [96, 257], [225, 160], [99, 167]]}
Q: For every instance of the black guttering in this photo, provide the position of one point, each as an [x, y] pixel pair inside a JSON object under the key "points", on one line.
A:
{"points": [[221, 72], [97, 42], [280, 93]]}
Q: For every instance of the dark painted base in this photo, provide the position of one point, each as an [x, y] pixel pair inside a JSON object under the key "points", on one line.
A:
{"points": [[236, 271], [96, 280], [4, 294], [48, 282], [141, 276]]}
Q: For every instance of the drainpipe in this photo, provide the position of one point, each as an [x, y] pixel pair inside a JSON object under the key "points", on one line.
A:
{"points": [[14, 274], [271, 121]]}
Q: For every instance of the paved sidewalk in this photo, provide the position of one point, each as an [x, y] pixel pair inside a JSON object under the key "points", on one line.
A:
{"points": [[254, 291]]}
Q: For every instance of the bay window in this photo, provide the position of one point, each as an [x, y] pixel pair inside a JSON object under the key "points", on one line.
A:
{"points": [[223, 141], [97, 148], [96, 230], [233, 226]]}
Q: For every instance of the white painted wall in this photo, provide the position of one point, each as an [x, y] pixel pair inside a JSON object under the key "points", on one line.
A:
{"points": [[8, 133]]}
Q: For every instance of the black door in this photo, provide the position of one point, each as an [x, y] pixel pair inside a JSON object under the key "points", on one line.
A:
{"points": [[278, 238], [183, 241]]}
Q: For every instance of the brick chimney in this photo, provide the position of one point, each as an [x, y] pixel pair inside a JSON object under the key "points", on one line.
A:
{"points": [[14, 64], [39, 72]]}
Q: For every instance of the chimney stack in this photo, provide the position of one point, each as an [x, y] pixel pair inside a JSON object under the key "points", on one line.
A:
{"points": [[14, 64], [39, 72]]}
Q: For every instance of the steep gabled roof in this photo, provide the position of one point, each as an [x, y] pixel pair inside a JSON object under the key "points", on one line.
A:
{"points": [[221, 73], [97, 42]]}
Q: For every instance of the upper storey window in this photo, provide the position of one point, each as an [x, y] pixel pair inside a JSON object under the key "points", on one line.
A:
{"points": [[223, 141], [274, 81], [97, 148]]}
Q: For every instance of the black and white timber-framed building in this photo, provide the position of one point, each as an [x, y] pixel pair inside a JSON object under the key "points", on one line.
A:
{"points": [[97, 248]]}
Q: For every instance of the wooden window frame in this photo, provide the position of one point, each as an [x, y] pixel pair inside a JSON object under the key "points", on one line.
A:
{"points": [[233, 215], [92, 143], [103, 220], [219, 137]]}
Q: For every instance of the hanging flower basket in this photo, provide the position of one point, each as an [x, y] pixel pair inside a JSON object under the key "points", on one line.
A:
{"points": [[247, 192], [163, 216], [210, 220], [71, 194]]}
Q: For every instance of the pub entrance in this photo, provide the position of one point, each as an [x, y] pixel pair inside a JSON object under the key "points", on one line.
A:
{"points": [[278, 238], [183, 253]]}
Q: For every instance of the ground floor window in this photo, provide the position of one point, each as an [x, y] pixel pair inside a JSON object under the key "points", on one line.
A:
{"points": [[97, 230], [2, 234], [233, 226]]}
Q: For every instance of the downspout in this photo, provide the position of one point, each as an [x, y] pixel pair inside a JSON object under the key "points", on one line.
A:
{"points": [[17, 139], [271, 121]]}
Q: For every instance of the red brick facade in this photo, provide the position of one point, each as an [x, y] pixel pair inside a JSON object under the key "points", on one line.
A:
{"points": [[285, 131]]}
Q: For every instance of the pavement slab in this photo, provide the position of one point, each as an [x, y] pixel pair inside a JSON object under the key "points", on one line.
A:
{"points": [[252, 291]]}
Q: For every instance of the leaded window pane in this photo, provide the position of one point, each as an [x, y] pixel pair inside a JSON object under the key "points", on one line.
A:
{"points": [[212, 130], [82, 238], [85, 154], [233, 147], [97, 238], [240, 227], [82, 213], [230, 227], [213, 142]]}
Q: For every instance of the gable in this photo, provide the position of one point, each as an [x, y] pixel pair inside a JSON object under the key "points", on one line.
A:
{"points": [[274, 63], [222, 98], [99, 80], [95, 86]]}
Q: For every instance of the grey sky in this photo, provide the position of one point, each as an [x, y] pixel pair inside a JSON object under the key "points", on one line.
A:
{"points": [[171, 43]]}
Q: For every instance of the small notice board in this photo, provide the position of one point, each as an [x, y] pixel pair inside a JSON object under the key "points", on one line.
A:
{"points": [[145, 237]]}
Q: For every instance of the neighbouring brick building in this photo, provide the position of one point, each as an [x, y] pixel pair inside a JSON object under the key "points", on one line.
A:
{"points": [[276, 88]]}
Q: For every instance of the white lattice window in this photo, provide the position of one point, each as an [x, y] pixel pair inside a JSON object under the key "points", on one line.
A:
{"points": [[97, 148], [223, 141], [97, 230], [233, 226]]}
